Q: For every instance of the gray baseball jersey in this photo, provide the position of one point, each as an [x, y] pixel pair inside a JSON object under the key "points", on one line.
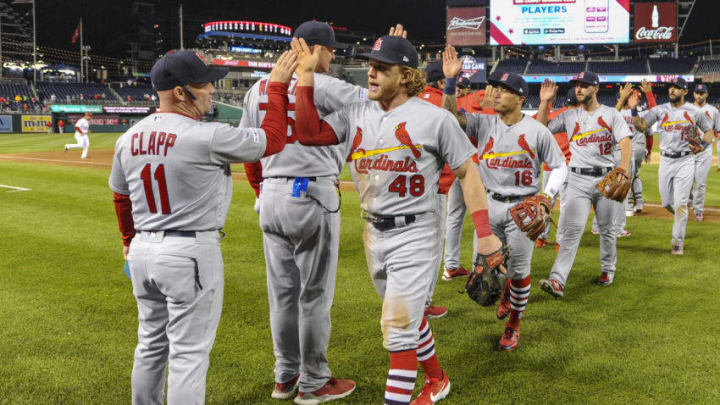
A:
{"points": [[397, 156], [713, 114], [176, 170], [638, 138], [675, 124], [512, 156], [331, 94], [592, 135]]}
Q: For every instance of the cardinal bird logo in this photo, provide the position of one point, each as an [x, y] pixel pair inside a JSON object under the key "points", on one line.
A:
{"points": [[357, 140], [665, 119], [524, 146], [488, 146], [402, 135], [687, 117], [603, 124], [576, 130]]}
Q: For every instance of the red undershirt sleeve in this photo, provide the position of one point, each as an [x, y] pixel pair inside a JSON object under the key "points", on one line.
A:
{"points": [[123, 210], [275, 122], [650, 99], [253, 171], [311, 130]]}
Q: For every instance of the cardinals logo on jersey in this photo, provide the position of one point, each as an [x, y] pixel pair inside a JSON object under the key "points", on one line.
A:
{"points": [[603, 124], [488, 147], [357, 140], [404, 137], [687, 117], [524, 146]]}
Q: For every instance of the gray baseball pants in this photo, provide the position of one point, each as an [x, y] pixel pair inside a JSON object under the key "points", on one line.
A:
{"points": [[301, 242], [178, 283], [455, 215], [703, 163], [675, 180]]}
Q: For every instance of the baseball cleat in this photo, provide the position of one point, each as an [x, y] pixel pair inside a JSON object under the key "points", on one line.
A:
{"points": [[503, 309], [286, 390], [594, 231], [333, 389], [66, 148], [552, 287], [629, 213], [435, 389], [435, 311], [624, 233], [699, 216], [677, 249], [541, 243], [450, 274], [604, 279], [509, 340], [638, 208]]}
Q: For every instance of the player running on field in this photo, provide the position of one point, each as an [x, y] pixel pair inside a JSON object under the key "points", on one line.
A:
{"points": [[593, 130], [398, 144], [677, 122], [172, 185], [513, 147], [82, 132], [703, 160]]}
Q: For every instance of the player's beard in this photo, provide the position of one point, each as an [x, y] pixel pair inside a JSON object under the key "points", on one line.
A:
{"points": [[674, 97]]}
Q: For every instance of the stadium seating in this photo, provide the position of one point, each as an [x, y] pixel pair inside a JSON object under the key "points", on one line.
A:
{"points": [[136, 93], [628, 66], [87, 92], [708, 66], [671, 66], [10, 90], [511, 65], [544, 67]]}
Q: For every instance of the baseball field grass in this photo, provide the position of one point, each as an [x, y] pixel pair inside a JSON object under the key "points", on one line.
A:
{"points": [[68, 319]]}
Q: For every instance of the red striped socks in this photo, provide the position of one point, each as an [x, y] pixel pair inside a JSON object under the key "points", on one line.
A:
{"points": [[426, 351], [401, 377]]}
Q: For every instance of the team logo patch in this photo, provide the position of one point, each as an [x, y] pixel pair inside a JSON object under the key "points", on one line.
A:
{"points": [[581, 75], [378, 45], [504, 77], [357, 140], [403, 136], [201, 57]]}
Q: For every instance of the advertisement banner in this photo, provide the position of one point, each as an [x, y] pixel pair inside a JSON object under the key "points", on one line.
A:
{"points": [[466, 26], [555, 22], [127, 110], [474, 69], [75, 108], [612, 78], [655, 22], [98, 120], [35, 123], [5, 123], [244, 63]]}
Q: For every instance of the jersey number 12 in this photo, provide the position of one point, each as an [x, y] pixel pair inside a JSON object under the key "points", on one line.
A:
{"points": [[149, 195]]}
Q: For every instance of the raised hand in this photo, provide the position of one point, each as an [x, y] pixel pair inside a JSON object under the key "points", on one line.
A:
{"points": [[548, 90], [451, 65], [284, 67], [398, 31], [307, 59], [645, 86], [633, 100], [625, 91]]}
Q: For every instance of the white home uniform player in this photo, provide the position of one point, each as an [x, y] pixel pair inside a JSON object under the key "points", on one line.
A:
{"points": [[512, 149], [677, 166], [172, 185], [397, 147], [703, 160], [300, 219], [593, 130], [82, 130]]}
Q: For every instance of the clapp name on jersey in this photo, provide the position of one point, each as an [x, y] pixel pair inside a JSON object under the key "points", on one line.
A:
{"points": [[154, 145], [382, 163]]}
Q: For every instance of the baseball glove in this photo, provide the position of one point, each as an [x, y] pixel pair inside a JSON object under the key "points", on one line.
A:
{"points": [[695, 141], [488, 277], [532, 214], [615, 185]]}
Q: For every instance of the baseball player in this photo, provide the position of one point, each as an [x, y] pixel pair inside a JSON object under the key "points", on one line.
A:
{"points": [[514, 146], [398, 144], [593, 129], [172, 189], [677, 165], [299, 206], [82, 129], [703, 160], [562, 140]]}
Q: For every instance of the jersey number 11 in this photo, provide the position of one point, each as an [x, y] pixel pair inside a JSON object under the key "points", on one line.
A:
{"points": [[149, 195]]}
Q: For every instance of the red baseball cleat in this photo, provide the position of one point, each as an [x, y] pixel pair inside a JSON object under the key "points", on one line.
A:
{"points": [[333, 389], [435, 390], [450, 274], [435, 311], [541, 243], [286, 390], [509, 340], [604, 279], [552, 287]]}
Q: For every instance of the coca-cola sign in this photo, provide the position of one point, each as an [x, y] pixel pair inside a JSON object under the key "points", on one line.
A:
{"points": [[466, 26], [655, 22]]}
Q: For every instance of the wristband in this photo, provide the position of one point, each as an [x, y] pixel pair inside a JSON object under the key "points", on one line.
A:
{"points": [[481, 219], [634, 112], [705, 144], [450, 85]]}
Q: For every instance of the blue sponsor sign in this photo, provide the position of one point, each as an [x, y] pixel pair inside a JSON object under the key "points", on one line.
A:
{"points": [[5, 123]]}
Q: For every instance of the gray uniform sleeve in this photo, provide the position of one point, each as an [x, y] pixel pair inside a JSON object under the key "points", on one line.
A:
{"points": [[703, 121], [716, 121], [651, 116], [248, 114], [557, 124], [229, 144], [620, 128], [549, 150], [454, 148], [333, 94], [478, 125], [340, 123], [118, 182]]}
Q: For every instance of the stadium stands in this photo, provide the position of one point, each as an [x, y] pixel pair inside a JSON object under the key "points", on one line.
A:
{"points": [[610, 67], [16, 95], [708, 66], [511, 65], [87, 92], [670, 65], [133, 94], [545, 67]]}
